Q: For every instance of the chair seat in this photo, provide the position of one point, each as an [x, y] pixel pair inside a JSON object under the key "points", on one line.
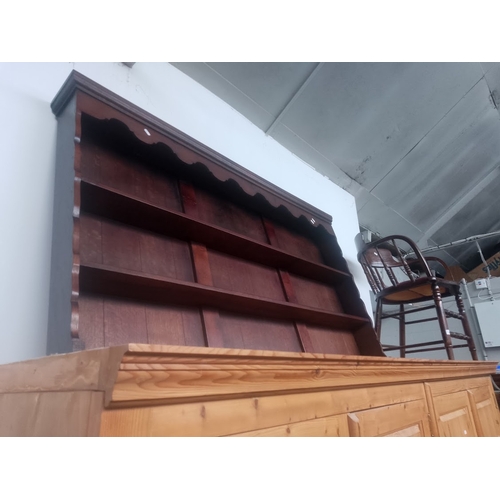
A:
{"points": [[417, 291]]}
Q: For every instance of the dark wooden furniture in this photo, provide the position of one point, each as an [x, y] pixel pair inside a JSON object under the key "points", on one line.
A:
{"points": [[399, 281], [158, 239], [148, 390], [496, 386]]}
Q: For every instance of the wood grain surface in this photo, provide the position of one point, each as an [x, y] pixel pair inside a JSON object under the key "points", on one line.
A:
{"points": [[148, 390], [199, 373], [253, 414]]}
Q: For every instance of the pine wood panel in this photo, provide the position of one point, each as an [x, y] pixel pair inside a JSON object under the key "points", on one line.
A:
{"points": [[450, 386], [46, 414], [399, 420], [96, 406], [475, 389], [453, 415], [104, 166], [200, 374], [319, 427], [485, 411], [255, 414], [165, 390], [261, 371]]}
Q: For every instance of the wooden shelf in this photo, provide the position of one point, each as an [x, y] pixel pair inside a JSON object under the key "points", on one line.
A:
{"points": [[112, 204], [107, 280], [157, 238]]}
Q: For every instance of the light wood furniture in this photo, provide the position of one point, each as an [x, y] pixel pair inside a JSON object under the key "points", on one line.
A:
{"points": [[148, 390]]}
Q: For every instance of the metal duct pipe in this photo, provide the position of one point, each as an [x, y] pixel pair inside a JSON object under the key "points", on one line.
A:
{"points": [[459, 242]]}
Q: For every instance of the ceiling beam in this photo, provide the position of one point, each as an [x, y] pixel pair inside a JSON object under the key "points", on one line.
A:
{"points": [[457, 206]]}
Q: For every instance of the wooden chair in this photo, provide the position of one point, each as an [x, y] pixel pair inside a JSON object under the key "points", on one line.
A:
{"points": [[398, 280], [495, 379]]}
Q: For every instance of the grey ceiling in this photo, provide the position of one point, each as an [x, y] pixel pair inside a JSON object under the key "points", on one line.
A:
{"points": [[417, 144]]}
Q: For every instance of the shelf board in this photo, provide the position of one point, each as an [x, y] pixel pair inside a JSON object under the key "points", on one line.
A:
{"points": [[107, 280], [112, 204]]}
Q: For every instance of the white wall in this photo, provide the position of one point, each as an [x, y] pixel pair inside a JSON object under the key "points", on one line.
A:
{"points": [[479, 296], [27, 135]]}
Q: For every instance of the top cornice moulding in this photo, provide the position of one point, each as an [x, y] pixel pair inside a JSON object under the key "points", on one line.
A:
{"points": [[78, 82]]}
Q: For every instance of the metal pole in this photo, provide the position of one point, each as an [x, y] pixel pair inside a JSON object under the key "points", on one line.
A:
{"points": [[459, 242]]}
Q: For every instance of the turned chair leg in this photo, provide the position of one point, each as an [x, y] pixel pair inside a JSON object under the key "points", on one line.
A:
{"points": [[402, 331], [378, 319], [465, 325], [443, 323]]}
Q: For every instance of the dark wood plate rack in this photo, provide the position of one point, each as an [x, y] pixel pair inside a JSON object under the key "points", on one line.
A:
{"points": [[158, 239]]}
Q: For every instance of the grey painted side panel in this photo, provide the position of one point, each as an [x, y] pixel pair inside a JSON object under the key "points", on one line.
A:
{"points": [[59, 322]]}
